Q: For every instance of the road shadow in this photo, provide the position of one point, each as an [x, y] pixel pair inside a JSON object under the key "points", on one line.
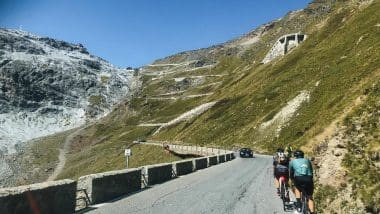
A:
{"points": [[96, 206]]}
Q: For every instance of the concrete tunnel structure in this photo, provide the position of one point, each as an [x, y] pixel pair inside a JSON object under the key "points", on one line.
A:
{"points": [[283, 45]]}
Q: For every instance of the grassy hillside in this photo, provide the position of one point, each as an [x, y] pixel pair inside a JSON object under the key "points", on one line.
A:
{"points": [[295, 99], [341, 59]]}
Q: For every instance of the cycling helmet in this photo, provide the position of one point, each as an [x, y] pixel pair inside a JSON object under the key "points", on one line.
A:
{"points": [[299, 154], [280, 150], [281, 157]]}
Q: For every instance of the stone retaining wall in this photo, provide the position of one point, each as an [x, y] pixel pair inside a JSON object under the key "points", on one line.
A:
{"points": [[183, 167], [201, 163], [212, 160], [53, 197], [155, 174], [222, 158], [103, 187]]}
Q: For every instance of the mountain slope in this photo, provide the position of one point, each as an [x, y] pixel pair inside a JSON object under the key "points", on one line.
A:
{"points": [[49, 86], [316, 95]]}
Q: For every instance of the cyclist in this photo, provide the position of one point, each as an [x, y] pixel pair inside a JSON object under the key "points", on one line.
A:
{"points": [[301, 172], [289, 151], [279, 151], [280, 168], [275, 156]]}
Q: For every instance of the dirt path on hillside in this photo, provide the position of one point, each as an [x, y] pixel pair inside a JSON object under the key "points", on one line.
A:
{"points": [[62, 154]]}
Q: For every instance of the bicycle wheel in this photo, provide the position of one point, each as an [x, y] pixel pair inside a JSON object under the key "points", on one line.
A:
{"points": [[282, 189], [304, 203]]}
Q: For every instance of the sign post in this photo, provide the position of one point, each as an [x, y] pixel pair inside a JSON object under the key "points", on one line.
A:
{"points": [[127, 153]]}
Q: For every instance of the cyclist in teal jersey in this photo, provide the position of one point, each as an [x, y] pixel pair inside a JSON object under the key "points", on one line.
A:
{"points": [[301, 172]]}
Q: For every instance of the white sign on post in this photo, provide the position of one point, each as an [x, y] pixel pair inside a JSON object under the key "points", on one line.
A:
{"points": [[127, 152]]}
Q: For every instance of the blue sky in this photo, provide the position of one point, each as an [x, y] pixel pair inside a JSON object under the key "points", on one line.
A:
{"points": [[134, 33]]}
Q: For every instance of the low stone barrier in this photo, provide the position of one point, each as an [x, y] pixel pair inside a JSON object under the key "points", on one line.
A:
{"points": [[212, 160], [55, 197], [232, 156], [228, 156], [222, 158], [183, 167], [155, 174], [60, 196], [200, 163], [103, 187]]}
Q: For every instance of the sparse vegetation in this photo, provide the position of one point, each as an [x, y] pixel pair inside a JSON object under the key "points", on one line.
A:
{"points": [[97, 100], [104, 79], [324, 195], [363, 127]]}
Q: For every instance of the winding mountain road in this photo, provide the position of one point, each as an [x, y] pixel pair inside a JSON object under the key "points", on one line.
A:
{"points": [[239, 186]]}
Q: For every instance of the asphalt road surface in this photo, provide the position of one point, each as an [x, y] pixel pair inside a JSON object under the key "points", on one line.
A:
{"points": [[239, 186]]}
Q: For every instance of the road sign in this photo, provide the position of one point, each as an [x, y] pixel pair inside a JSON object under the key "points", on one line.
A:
{"points": [[127, 152]]}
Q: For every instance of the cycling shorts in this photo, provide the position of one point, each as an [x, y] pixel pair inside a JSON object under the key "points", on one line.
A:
{"points": [[306, 183], [281, 172]]}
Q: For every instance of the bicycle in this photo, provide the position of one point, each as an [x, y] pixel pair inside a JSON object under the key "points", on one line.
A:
{"points": [[284, 192], [304, 201]]}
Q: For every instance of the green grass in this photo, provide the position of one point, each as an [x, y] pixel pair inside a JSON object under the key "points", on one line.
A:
{"points": [[109, 154], [89, 161], [45, 151], [363, 126], [262, 91], [41, 157]]}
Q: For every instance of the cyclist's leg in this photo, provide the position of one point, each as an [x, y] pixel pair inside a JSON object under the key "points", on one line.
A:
{"points": [[297, 191], [309, 191], [311, 205], [276, 181], [277, 185]]}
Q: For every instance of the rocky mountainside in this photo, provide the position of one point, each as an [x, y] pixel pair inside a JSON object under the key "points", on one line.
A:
{"points": [[49, 86], [320, 95]]}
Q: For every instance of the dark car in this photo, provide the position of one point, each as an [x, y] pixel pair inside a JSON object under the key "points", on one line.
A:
{"points": [[246, 153]]}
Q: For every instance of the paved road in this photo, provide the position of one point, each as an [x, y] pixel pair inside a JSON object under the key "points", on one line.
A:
{"points": [[239, 186]]}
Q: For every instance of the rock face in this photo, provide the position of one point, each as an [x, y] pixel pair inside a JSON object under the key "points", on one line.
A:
{"points": [[47, 86]]}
